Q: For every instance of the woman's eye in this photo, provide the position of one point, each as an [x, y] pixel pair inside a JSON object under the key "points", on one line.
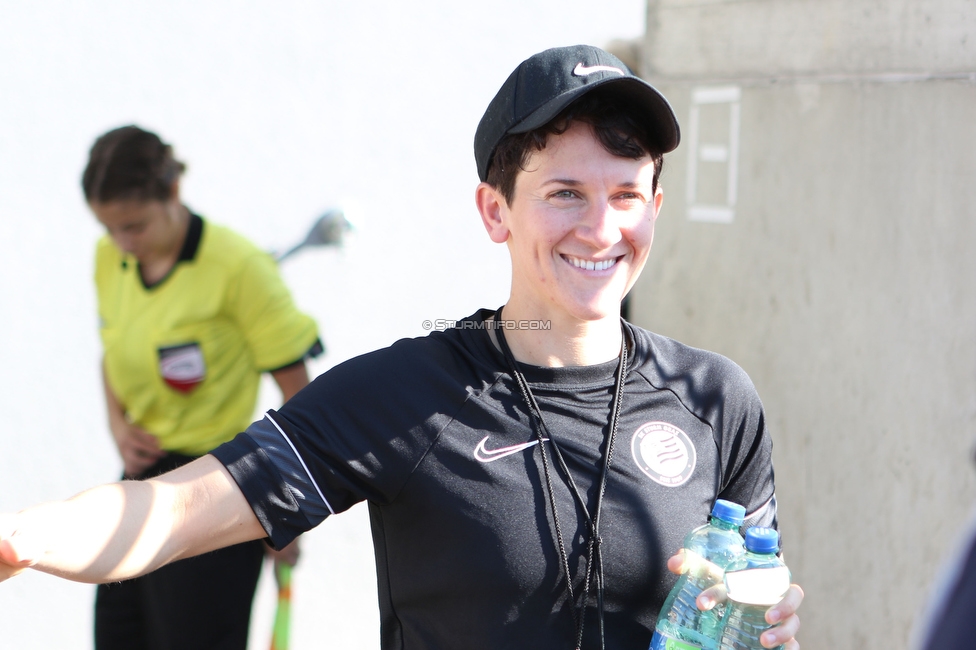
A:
{"points": [[630, 201]]}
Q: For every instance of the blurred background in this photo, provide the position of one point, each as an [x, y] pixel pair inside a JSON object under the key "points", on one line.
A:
{"points": [[816, 229]]}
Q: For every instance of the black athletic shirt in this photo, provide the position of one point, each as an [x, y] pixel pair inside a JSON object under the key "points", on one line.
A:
{"points": [[434, 434]]}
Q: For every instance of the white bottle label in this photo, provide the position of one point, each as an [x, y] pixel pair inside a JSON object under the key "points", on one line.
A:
{"points": [[758, 586]]}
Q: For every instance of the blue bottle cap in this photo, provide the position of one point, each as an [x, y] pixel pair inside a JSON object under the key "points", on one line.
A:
{"points": [[762, 540], [728, 511]]}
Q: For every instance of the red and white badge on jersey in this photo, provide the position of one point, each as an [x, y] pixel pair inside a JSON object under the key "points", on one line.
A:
{"points": [[182, 366]]}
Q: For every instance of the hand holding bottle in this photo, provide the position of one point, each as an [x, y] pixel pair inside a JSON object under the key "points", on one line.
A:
{"points": [[755, 584], [782, 615]]}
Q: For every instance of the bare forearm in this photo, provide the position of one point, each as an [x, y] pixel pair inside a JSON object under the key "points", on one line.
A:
{"points": [[126, 529], [104, 534]]}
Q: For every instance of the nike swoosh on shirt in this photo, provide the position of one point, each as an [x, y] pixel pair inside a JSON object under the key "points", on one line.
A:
{"points": [[485, 455], [584, 71]]}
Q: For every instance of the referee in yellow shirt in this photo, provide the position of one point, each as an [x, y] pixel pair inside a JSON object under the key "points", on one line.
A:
{"points": [[191, 314]]}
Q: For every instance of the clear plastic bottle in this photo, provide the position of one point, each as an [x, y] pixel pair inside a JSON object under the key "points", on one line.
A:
{"points": [[708, 549], [755, 582]]}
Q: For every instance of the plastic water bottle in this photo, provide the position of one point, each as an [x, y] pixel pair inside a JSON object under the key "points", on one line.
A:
{"points": [[755, 582], [708, 550]]}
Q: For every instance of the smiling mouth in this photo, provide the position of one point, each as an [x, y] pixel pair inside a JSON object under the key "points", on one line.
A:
{"points": [[590, 265]]}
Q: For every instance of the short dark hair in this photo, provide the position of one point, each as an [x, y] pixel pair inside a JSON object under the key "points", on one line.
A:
{"points": [[130, 163], [616, 127]]}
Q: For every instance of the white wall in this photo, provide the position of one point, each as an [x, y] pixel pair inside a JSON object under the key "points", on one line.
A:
{"points": [[281, 111]]}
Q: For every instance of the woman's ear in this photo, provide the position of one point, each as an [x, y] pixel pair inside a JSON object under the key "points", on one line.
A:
{"points": [[492, 206]]}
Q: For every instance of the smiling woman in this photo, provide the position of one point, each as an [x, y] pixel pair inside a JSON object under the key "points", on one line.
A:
{"points": [[512, 499], [579, 228]]}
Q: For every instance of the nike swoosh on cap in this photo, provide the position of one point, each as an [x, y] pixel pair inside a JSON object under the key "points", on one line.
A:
{"points": [[485, 455], [584, 71]]}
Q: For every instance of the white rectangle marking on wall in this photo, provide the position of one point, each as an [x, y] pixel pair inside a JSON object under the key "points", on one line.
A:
{"points": [[733, 171], [711, 213], [716, 95], [713, 153], [692, 157]]}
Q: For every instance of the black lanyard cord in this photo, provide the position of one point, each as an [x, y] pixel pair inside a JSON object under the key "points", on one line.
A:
{"points": [[594, 553]]}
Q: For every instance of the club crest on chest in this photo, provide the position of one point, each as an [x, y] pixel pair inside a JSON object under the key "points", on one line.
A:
{"points": [[664, 452]]}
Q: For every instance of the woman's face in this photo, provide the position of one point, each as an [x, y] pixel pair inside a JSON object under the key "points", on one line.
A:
{"points": [[579, 227], [146, 229]]}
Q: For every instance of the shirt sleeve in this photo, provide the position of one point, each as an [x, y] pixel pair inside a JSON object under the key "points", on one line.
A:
{"points": [[277, 333], [274, 480], [746, 451], [720, 393], [356, 433]]}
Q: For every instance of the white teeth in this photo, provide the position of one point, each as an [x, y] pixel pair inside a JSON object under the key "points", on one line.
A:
{"points": [[590, 265]]}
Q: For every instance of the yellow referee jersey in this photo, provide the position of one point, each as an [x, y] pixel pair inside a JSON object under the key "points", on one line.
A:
{"points": [[184, 357]]}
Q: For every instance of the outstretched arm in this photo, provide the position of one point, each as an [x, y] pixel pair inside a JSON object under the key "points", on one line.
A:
{"points": [[122, 530]]}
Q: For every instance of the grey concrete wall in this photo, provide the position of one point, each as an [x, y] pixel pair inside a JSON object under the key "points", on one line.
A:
{"points": [[818, 229]]}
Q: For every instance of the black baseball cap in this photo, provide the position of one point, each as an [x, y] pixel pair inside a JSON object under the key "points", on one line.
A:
{"points": [[546, 83]]}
